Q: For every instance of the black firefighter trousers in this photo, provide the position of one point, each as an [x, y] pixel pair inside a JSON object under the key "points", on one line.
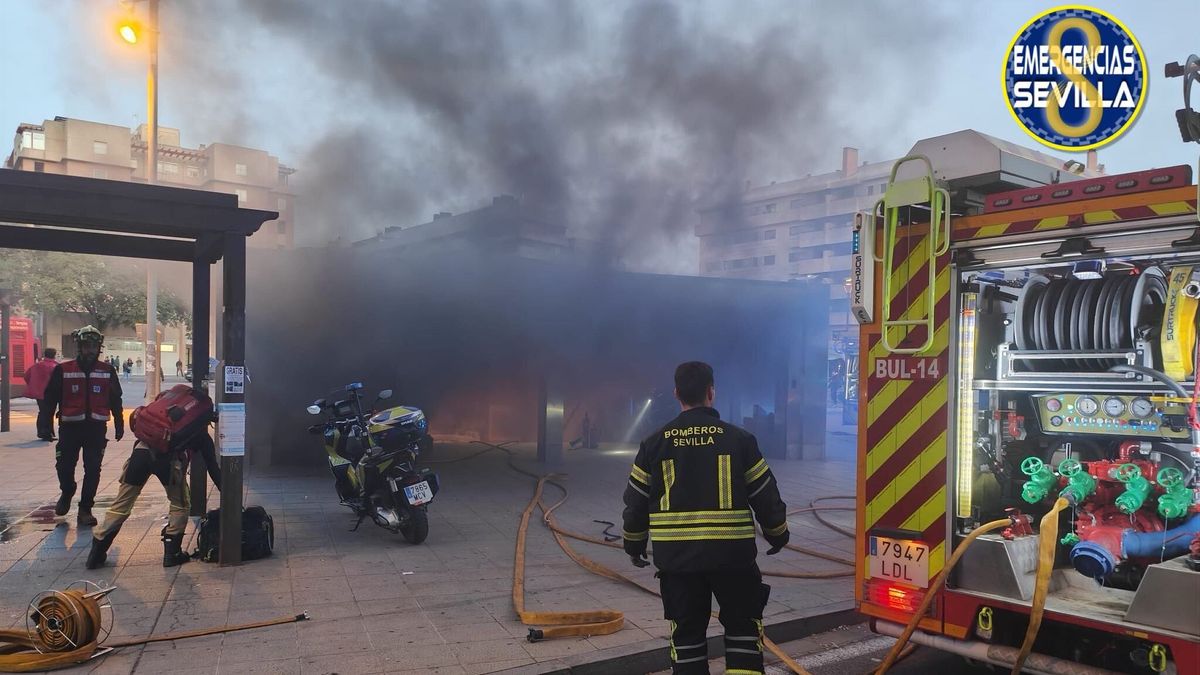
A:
{"points": [[687, 602], [86, 436]]}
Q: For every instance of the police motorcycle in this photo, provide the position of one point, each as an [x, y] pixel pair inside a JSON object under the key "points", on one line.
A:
{"points": [[373, 457]]}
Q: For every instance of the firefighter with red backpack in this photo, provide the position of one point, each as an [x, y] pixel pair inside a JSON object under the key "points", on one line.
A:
{"points": [[168, 431], [87, 394]]}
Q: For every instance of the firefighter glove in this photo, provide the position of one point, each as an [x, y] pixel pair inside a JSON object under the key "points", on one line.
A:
{"points": [[778, 542], [635, 548], [118, 431]]}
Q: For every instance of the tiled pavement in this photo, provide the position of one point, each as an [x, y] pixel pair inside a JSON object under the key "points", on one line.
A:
{"points": [[377, 604]]}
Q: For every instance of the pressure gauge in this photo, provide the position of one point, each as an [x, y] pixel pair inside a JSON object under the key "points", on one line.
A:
{"points": [[1053, 404], [1141, 407], [1086, 405], [1114, 406]]}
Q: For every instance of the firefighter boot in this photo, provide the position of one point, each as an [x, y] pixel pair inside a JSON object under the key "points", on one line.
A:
{"points": [[172, 555], [64, 503], [85, 517], [99, 552]]}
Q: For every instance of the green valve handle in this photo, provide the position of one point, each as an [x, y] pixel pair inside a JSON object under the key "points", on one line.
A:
{"points": [[1176, 501], [1080, 483], [1136, 488], [1041, 479], [1070, 539]]}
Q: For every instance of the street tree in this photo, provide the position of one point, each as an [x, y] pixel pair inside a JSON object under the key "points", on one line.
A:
{"points": [[51, 282]]}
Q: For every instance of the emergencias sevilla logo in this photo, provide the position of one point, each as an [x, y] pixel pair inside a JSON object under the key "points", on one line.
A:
{"points": [[1074, 78]]}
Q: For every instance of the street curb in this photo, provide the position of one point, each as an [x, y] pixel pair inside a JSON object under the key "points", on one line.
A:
{"points": [[653, 655]]}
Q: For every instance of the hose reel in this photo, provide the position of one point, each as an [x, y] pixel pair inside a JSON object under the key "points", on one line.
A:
{"points": [[1108, 314]]}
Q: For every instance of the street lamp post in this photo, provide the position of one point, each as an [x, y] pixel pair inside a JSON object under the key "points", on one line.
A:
{"points": [[130, 33]]}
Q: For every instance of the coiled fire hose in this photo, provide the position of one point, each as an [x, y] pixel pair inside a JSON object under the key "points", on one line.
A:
{"points": [[66, 631], [68, 626]]}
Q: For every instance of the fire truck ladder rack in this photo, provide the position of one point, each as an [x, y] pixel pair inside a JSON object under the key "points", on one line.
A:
{"points": [[899, 194]]}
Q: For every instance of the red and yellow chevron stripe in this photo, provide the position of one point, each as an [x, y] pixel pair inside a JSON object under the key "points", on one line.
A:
{"points": [[1080, 214], [903, 443]]}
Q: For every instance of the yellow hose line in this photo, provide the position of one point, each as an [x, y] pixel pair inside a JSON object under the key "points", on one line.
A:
{"points": [[558, 624], [1047, 538], [934, 587], [599, 569]]}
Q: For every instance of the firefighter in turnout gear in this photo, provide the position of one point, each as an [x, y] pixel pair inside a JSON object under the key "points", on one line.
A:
{"points": [[87, 394], [693, 486], [170, 468]]}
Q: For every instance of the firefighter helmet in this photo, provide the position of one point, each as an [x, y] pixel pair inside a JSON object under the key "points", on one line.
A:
{"points": [[88, 333]]}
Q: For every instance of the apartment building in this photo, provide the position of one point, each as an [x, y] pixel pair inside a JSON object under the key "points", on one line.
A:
{"points": [[95, 150]]}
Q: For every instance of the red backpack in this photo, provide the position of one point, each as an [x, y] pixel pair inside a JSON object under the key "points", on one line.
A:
{"points": [[173, 419]]}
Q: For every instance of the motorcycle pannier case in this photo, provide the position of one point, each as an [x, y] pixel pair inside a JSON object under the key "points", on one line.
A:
{"points": [[173, 418]]}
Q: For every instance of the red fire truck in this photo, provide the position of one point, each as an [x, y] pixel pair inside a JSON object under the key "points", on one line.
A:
{"points": [[1029, 453]]}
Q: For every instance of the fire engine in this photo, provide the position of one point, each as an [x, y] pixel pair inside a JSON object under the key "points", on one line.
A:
{"points": [[1029, 449]]}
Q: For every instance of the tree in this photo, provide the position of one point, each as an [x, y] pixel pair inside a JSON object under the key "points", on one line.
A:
{"points": [[52, 282]]}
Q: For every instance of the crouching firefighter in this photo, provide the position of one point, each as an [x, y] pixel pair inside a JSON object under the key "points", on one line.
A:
{"points": [[87, 393], [692, 489], [170, 468]]}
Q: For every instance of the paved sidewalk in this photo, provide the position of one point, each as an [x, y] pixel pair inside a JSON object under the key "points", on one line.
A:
{"points": [[378, 604]]}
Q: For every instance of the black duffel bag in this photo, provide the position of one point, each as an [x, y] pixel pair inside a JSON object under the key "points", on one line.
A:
{"points": [[258, 535]]}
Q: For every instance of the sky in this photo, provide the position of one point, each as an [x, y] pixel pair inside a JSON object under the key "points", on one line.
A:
{"points": [[623, 115]]}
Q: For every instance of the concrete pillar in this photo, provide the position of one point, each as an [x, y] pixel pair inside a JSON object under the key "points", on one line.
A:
{"points": [[550, 420]]}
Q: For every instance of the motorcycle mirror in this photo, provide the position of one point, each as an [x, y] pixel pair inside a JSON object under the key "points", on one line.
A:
{"points": [[314, 409], [385, 394]]}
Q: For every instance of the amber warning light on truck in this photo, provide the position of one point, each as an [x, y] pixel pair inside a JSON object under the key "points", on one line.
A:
{"points": [[862, 269]]}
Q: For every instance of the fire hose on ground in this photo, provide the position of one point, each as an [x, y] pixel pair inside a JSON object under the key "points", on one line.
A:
{"points": [[604, 622], [66, 628]]}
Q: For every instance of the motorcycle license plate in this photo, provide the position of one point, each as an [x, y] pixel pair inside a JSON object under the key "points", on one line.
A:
{"points": [[418, 494], [902, 560]]}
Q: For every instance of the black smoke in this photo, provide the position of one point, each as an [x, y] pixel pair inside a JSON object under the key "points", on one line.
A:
{"points": [[617, 118]]}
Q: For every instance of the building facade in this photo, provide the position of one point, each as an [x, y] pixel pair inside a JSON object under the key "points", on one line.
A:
{"points": [[798, 229], [94, 150], [801, 229], [88, 149]]}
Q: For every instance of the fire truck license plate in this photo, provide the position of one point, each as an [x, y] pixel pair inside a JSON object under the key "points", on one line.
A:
{"points": [[902, 560]]}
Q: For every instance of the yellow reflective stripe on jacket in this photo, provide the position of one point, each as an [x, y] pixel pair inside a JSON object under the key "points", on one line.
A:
{"points": [[776, 531], [634, 536], [668, 469], [701, 533], [724, 483], [755, 472], [689, 517], [640, 475]]}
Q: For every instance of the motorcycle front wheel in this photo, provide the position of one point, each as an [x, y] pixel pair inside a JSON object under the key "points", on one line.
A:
{"points": [[417, 527]]}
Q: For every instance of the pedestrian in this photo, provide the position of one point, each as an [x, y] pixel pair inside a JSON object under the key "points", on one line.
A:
{"points": [[693, 486], [87, 393], [37, 377], [139, 367], [170, 468], [179, 368], [128, 368]]}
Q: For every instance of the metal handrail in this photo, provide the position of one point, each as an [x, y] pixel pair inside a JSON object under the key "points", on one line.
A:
{"points": [[922, 190]]}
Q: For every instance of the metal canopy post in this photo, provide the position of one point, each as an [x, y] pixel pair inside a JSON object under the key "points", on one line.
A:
{"points": [[201, 271], [233, 338]]}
